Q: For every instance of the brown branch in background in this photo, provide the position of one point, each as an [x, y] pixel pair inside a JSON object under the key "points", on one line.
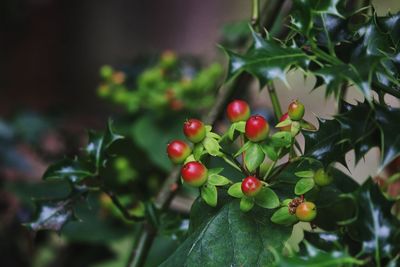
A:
{"points": [[170, 187]]}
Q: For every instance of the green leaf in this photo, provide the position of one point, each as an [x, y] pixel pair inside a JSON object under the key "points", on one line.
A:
{"points": [[270, 151], [326, 145], [236, 190], [305, 174], [198, 151], [365, 128], [246, 203], [267, 60], [303, 186], [218, 180], [215, 233], [215, 171], [305, 13], [284, 123], [267, 198], [282, 216], [98, 145], [243, 148], [375, 226], [295, 128], [52, 216], [212, 146], [231, 131], [387, 117], [241, 126], [189, 159], [308, 126], [209, 194], [214, 135], [254, 157], [72, 170], [281, 139]]}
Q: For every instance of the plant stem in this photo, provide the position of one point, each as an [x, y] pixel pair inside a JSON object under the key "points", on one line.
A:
{"points": [[243, 153], [142, 246], [255, 15], [121, 207], [275, 101]]}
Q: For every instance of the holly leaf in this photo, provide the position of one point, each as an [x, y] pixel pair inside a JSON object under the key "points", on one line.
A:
{"points": [[267, 60], [387, 117], [306, 13], [226, 230], [71, 169], [326, 145], [365, 128], [98, 144], [375, 227], [52, 216]]}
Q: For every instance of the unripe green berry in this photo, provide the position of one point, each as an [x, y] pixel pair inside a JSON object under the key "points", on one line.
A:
{"points": [[322, 178]]}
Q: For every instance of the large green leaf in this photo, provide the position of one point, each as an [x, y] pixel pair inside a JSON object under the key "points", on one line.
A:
{"points": [[375, 226], [365, 128], [267, 60], [326, 145], [227, 236]]}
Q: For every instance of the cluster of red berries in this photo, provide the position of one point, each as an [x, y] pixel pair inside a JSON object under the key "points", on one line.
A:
{"points": [[255, 129], [193, 173]]}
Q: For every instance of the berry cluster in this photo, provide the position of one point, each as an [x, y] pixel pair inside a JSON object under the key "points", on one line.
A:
{"points": [[169, 84], [256, 158]]}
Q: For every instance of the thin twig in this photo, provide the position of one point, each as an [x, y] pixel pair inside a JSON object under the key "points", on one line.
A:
{"points": [[121, 207]]}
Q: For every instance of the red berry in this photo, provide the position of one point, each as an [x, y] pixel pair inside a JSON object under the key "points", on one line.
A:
{"points": [[257, 128], [306, 211], [194, 130], [296, 110], [283, 118], [251, 186], [238, 110], [194, 173], [178, 151]]}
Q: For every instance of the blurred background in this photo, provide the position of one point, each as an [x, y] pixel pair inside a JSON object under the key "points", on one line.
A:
{"points": [[54, 86]]}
